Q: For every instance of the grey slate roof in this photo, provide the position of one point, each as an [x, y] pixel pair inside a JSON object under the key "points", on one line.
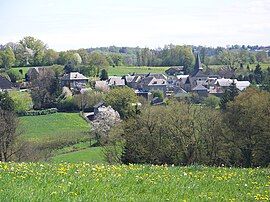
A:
{"points": [[199, 88], [5, 84], [74, 76]]}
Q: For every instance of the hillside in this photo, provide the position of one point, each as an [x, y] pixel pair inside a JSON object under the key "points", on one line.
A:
{"points": [[53, 127], [85, 182]]}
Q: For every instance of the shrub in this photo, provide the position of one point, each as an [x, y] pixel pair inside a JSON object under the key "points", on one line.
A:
{"points": [[67, 105], [37, 112], [14, 75]]}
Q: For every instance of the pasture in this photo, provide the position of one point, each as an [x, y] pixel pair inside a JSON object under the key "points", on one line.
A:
{"points": [[123, 70], [52, 127], [88, 182]]}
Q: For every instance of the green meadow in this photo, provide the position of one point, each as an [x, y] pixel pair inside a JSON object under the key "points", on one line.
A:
{"points": [[88, 182]]}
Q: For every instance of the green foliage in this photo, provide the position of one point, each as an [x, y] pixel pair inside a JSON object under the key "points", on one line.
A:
{"points": [[14, 75], [67, 105], [6, 102], [37, 112], [33, 49], [50, 57], [87, 100], [178, 134], [258, 74], [104, 75], [248, 119], [212, 101], [7, 58], [45, 90], [22, 101], [158, 94], [88, 182], [121, 100], [228, 95]]}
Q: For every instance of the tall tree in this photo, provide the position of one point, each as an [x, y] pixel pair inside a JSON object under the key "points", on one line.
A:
{"points": [[34, 46], [122, 100], [248, 118], [228, 95], [104, 75], [7, 58]]}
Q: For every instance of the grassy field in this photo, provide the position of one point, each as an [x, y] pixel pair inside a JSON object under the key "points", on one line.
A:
{"points": [[52, 126], [90, 155], [86, 182], [120, 71], [117, 71], [252, 66]]}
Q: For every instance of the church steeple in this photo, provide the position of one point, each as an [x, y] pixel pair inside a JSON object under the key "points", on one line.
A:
{"points": [[198, 64]]}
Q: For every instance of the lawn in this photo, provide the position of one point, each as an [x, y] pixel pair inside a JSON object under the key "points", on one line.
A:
{"points": [[252, 66], [122, 70], [89, 155], [88, 182], [52, 126]]}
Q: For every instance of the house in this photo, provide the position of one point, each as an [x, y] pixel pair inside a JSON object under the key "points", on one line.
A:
{"points": [[102, 85], [200, 90], [5, 84], [74, 80], [222, 84], [177, 70], [152, 84], [147, 82], [242, 85], [116, 81]]}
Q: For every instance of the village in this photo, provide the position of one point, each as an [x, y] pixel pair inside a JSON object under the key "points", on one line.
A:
{"points": [[172, 83]]}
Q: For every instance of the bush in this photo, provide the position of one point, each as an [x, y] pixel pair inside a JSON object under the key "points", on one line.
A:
{"points": [[212, 101], [22, 101], [14, 75], [67, 105], [38, 112]]}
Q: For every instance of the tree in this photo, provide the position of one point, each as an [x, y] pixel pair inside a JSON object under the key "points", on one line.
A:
{"points": [[104, 75], [122, 100], [158, 94], [248, 119], [7, 58], [258, 74], [45, 90], [8, 123], [6, 102], [35, 48], [98, 61], [88, 99], [104, 121], [227, 57], [22, 101], [212, 101], [50, 57], [178, 134], [228, 95], [8, 135]]}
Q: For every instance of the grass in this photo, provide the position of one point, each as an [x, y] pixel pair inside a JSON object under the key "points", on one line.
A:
{"points": [[117, 71], [122, 70], [252, 66], [89, 155], [52, 126], [87, 182]]}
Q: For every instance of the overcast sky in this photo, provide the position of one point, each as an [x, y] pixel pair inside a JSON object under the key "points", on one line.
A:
{"points": [[73, 24]]}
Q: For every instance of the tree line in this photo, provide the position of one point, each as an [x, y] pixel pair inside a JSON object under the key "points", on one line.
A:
{"points": [[33, 52], [181, 133]]}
